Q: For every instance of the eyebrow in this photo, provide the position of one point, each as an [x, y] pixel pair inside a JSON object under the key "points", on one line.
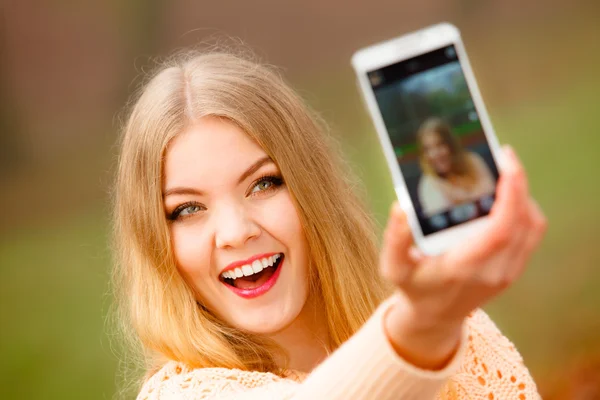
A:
{"points": [[252, 169]]}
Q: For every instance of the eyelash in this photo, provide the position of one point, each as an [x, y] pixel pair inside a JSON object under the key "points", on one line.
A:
{"points": [[275, 180], [175, 214]]}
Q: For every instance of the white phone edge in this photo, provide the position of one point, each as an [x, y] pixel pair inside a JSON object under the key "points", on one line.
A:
{"points": [[402, 48]]}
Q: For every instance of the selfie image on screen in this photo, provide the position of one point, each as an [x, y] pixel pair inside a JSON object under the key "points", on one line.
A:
{"points": [[437, 138]]}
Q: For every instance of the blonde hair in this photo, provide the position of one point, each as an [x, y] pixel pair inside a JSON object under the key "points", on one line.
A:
{"points": [[462, 164], [159, 308]]}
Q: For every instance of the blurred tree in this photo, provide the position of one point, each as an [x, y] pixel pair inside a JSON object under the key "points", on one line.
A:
{"points": [[11, 150]]}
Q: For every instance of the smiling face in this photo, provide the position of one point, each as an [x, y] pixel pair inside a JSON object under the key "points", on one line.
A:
{"points": [[231, 214], [437, 152]]}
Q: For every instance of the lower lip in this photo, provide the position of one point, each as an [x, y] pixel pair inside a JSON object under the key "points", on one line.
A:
{"points": [[264, 288]]}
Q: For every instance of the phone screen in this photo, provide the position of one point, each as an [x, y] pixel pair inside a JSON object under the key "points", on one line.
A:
{"points": [[437, 137]]}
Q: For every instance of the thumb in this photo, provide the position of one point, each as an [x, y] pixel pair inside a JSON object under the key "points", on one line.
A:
{"points": [[397, 262]]}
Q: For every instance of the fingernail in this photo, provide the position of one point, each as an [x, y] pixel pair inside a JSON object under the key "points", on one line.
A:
{"points": [[511, 158], [397, 211], [510, 151]]}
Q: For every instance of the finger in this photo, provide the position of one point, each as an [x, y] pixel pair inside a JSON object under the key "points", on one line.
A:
{"points": [[416, 255], [539, 219], [517, 221], [512, 190], [508, 209], [396, 264], [536, 230], [508, 262]]}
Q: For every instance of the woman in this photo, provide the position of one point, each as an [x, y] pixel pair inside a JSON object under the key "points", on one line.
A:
{"points": [[248, 269], [451, 175]]}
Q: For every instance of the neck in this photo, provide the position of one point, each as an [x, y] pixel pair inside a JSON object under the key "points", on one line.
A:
{"points": [[305, 340]]}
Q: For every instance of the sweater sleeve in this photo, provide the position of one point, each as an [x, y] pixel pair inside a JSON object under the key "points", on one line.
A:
{"points": [[364, 367], [492, 367], [368, 367]]}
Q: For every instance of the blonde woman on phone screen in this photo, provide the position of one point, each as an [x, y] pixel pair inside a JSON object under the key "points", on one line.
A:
{"points": [[451, 174]]}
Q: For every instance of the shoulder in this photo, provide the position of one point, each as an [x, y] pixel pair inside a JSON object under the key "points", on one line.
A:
{"points": [[427, 185], [177, 381], [483, 329], [492, 367], [476, 160]]}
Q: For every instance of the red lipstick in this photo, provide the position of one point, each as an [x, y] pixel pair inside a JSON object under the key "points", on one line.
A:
{"points": [[264, 287], [249, 261]]}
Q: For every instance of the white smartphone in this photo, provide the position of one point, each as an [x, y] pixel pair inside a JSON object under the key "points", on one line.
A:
{"points": [[435, 132]]}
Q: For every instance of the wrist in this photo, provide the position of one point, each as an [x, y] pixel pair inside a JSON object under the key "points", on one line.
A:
{"points": [[429, 345]]}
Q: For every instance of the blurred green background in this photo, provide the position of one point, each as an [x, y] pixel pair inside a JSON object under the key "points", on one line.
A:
{"points": [[68, 68]]}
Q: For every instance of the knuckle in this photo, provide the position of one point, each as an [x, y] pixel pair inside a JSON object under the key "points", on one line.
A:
{"points": [[496, 281], [501, 237], [541, 224], [454, 279], [533, 243], [505, 281]]}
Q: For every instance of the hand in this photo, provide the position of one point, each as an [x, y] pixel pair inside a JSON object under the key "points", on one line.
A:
{"points": [[437, 293]]}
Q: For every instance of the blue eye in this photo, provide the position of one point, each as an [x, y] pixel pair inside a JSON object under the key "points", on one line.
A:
{"points": [[262, 185], [266, 183], [185, 210], [189, 210]]}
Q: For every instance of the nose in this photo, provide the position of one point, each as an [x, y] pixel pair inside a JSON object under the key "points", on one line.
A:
{"points": [[234, 226]]}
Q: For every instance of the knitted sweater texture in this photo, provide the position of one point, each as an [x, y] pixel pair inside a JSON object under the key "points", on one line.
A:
{"points": [[486, 366]]}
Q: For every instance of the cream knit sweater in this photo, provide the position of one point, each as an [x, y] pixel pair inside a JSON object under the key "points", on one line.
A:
{"points": [[486, 366]]}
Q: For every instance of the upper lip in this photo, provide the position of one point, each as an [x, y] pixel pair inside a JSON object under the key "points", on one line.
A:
{"points": [[248, 261]]}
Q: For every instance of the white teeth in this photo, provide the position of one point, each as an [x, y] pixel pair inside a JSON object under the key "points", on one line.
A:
{"points": [[257, 266], [247, 270], [250, 269]]}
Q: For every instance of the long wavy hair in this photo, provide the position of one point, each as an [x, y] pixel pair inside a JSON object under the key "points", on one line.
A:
{"points": [[160, 314], [461, 164]]}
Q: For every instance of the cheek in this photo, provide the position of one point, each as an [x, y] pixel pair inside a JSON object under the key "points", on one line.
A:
{"points": [[281, 220], [192, 251], [432, 154], [439, 154], [445, 151]]}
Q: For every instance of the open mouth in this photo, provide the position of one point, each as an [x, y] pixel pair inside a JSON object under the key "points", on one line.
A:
{"points": [[249, 277]]}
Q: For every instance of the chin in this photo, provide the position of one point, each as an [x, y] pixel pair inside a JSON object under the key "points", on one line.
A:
{"points": [[265, 320], [272, 311], [442, 170]]}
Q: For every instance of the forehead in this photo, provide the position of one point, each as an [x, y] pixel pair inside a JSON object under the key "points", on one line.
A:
{"points": [[212, 150], [431, 136]]}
